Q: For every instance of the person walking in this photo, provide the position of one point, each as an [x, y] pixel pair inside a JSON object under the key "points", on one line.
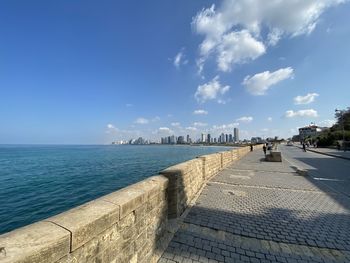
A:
{"points": [[304, 147], [264, 149], [251, 147]]}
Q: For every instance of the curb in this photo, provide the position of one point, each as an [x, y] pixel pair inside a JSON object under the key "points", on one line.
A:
{"points": [[329, 154]]}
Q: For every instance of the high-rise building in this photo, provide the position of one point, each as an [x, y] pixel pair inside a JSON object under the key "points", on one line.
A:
{"points": [[222, 139], [208, 138], [188, 140], [180, 140], [236, 134], [203, 137], [230, 139]]}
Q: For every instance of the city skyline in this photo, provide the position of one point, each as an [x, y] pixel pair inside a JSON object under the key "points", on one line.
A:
{"points": [[91, 73]]}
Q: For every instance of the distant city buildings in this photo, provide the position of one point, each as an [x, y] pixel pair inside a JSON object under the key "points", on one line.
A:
{"points": [[205, 138], [256, 140]]}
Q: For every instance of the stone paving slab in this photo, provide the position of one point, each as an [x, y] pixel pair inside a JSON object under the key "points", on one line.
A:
{"points": [[255, 211], [298, 217], [290, 180], [191, 246]]}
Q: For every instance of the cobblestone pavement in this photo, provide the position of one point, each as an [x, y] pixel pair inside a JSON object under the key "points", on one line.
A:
{"points": [[255, 211]]}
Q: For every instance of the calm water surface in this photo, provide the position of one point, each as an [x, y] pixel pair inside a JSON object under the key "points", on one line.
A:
{"points": [[37, 182]]}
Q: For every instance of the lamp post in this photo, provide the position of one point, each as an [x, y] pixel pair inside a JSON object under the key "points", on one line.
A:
{"points": [[342, 121]]}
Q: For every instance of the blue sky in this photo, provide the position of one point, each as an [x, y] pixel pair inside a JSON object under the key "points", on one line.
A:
{"points": [[91, 72]]}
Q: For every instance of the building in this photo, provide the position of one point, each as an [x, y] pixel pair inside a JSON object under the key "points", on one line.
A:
{"points": [[311, 130], [236, 134], [180, 140], [222, 138], [172, 139], [256, 140], [203, 139], [208, 138], [188, 139]]}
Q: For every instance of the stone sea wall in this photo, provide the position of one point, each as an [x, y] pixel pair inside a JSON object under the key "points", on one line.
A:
{"points": [[129, 225]]}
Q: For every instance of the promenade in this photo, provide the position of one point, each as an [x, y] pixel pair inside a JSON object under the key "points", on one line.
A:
{"points": [[331, 152], [254, 211]]}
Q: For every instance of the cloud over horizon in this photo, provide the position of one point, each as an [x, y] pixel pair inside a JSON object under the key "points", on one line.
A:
{"points": [[308, 98], [245, 119], [200, 112], [211, 90], [301, 113], [261, 82]]}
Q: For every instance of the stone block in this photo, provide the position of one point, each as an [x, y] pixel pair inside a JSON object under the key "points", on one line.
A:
{"points": [[87, 221], [274, 157], [38, 242], [128, 199]]}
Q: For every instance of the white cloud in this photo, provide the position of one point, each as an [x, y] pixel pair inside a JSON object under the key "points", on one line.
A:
{"points": [[180, 59], [308, 98], [269, 119], [141, 121], [301, 113], [261, 82], [260, 21], [225, 128], [327, 123], [200, 124], [175, 124], [200, 112], [238, 48], [245, 119], [111, 128], [191, 128], [211, 90]]}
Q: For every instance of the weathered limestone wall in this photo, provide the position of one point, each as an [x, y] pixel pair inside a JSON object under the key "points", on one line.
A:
{"points": [[185, 180], [124, 226], [129, 225], [226, 158], [212, 164]]}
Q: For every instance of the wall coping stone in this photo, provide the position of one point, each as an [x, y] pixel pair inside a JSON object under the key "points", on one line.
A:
{"points": [[40, 242], [87, 221]]}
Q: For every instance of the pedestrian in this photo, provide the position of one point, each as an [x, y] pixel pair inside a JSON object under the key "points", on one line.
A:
{"points": [[251, 147], [304, 147], [338, 146], [264, 149]]}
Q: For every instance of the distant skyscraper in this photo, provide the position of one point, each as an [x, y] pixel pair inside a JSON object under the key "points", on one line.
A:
{"points": [[230, 139], [222, 140], [188, 138], [208, 138], [203, 137], [180, 140], [236, 134]]}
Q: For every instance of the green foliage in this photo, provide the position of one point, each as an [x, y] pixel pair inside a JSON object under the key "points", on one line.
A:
{"points": [[343, 119]]}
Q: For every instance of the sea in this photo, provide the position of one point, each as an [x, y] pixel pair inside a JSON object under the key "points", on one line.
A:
{"points": [[39, 181]]}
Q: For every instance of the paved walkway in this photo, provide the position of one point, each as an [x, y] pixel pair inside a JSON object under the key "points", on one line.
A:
{"points": [[255, 211], [331, 152]]}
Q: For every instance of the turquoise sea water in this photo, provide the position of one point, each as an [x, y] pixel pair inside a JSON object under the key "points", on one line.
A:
{"points": [[37, 182]]}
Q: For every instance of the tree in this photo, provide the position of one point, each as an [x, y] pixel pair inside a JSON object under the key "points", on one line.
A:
{"points": [[343, 118]]}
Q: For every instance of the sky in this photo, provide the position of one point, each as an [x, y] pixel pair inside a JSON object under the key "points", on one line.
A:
{"points": [[92, 72]]}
